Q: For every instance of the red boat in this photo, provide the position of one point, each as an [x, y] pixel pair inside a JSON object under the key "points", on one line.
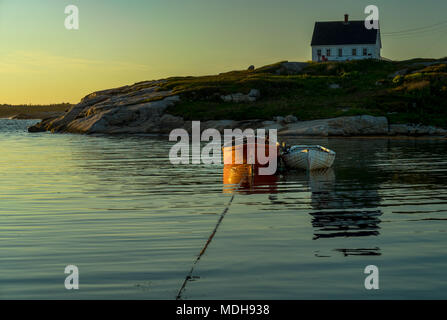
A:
{"points": [[245, 152]]}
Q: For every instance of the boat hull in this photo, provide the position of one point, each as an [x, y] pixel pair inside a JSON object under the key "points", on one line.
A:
{"points": [[309, 157], [248, 154]]}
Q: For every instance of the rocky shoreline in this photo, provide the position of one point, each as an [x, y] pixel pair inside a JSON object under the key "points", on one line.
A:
{"points": [[142, 108]]}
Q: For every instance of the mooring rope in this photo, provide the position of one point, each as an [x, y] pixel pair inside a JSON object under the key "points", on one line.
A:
{"points": [[210, 238]]}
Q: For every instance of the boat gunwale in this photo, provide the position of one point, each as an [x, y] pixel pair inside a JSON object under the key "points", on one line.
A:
{"points": [[312, 147]]}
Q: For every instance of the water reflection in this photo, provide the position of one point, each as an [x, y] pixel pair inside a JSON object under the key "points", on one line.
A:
{"points": [[239, 178], [116, 206], [360, 252], [342, 212], [338, 211]]}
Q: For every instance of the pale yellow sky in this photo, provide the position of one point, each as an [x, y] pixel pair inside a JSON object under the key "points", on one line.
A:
{"points": [[123, 42]]}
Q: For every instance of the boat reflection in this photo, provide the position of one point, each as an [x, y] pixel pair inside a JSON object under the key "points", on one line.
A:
{"points": [[244, 178]]}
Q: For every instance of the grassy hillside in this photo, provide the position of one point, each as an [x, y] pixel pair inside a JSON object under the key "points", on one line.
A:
{"points": [[413, 91]]}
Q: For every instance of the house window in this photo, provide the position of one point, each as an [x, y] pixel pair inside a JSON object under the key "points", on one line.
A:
{"points": [[328, 52], [340, 52], [319, 52], [354, 52], [365, 51]]}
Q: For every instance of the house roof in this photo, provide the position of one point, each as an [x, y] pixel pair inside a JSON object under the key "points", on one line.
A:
{"points": [[338, 33]]}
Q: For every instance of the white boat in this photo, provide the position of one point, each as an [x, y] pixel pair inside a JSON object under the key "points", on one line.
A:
{"points": [[309, 157]]}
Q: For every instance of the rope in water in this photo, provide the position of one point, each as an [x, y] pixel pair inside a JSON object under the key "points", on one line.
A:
{"points": [[210, 238]]}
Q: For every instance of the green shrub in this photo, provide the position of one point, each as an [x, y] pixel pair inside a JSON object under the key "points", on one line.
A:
{"points": [[398, 79]]}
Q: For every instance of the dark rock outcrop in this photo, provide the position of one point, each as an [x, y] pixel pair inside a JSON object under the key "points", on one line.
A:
{"points": [[130, 109]]}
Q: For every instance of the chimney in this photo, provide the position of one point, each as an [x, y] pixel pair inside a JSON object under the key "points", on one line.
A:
{"points": [[346, 18]]}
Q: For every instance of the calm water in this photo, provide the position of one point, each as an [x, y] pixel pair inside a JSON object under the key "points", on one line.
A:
{"points": [[133, 223]]}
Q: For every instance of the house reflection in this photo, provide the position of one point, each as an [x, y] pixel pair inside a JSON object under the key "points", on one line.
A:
{"points": [[344, 210]]}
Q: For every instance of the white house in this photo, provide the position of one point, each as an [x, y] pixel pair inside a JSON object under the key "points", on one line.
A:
{"points": [[345, 40]]}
